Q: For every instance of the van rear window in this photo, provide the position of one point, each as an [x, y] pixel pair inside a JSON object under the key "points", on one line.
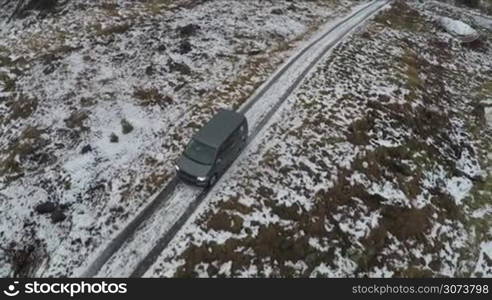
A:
{"points": [[200, 153]]}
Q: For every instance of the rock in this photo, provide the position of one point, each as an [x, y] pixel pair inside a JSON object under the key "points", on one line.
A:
{"points": [[277, 11], [57, 216], [117, 210], [188, 30], [149, 71], [458, 29], [87, 102], [487, 259], [483, 21], [49, 69], [180, 86], [179, 67], [185, 47], [265, 192], [255, 223], [76, 119], [488, 116], [49, 59], [86, 148], [254, 52], [45, 208], [119, 57], [292, 7], [28, 224]]}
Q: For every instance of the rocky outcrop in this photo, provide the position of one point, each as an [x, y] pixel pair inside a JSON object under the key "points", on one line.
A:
{"points": [[458, 29]]}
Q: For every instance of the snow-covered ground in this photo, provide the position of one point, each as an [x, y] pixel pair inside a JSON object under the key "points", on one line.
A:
{"points": [[378, 165], [257, 110], [98, 101]]}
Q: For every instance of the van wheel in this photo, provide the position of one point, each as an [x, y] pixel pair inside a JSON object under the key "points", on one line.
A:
{"points": [[212, 180]]}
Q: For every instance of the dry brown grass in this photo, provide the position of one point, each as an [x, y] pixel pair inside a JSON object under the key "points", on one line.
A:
{"points": [[21, 107], [155, 7], [223, 221], [233, 205], [27, 144], [152, 97], [402, 17], [359, 131], [25, 256], [77, 119], [111, 7], [156, 181]]}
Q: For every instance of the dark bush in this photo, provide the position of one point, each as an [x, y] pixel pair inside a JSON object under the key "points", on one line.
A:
{"points": [[113, 138], [86, 148], [41, 5], [57, 216], [46, 207], [21, 7], [126, 127], [469, 3], [188, 30], [478, 45], [26, 254]]}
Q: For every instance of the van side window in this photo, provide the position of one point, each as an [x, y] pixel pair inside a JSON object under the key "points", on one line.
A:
{"points": [[228, 143]]}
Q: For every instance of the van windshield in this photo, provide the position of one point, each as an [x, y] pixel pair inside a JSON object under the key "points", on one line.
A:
{"points": [[200, 153]]}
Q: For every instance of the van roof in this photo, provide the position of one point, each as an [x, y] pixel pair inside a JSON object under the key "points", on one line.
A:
{"points": [[220, 127]]}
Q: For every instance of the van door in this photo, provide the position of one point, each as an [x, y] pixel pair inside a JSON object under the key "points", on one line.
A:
{"points": [[233, 146], [239, 138], [224, 155], [221, 162]]}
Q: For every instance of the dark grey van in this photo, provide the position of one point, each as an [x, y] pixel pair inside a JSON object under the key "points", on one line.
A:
{"points": [[213, 148]]}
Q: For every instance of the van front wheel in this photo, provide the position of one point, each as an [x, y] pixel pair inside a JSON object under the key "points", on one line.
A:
{"points": [[212, 180]]}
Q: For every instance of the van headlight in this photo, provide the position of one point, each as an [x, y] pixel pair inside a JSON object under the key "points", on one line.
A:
{"points": [[201, 178]]}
